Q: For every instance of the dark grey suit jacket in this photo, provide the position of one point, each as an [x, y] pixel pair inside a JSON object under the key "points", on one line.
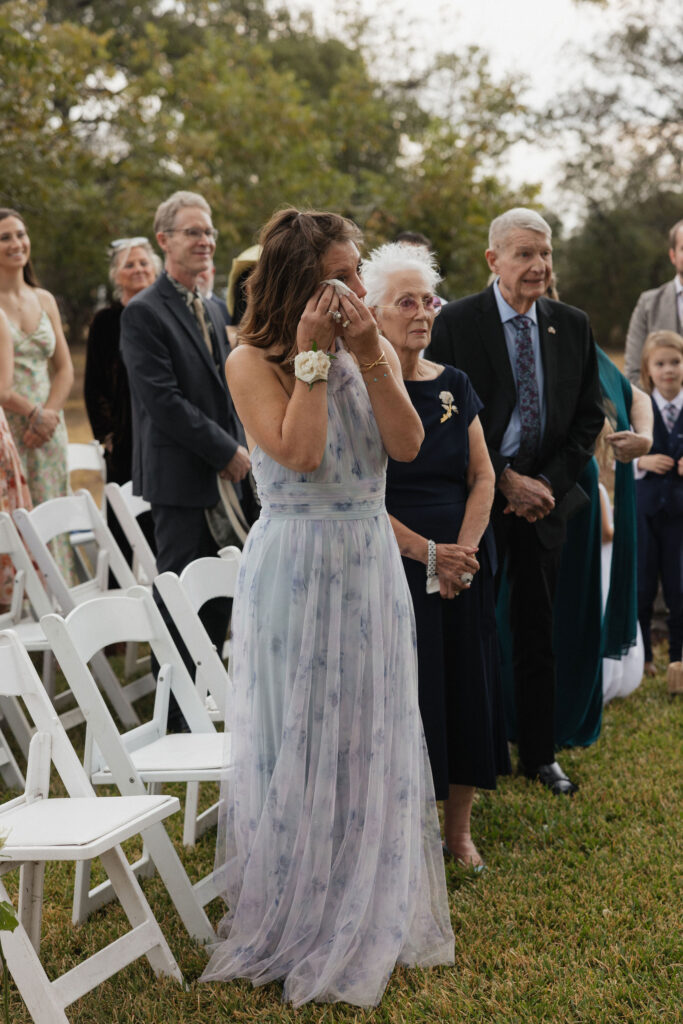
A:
{"points": [[655, 310], [185, 427], [469, 334]]}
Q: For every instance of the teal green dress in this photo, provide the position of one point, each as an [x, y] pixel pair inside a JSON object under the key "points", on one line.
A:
{"points": [[582, 635]]}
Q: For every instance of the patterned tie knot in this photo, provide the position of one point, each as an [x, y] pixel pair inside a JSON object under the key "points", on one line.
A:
{"points": [[522, 323], [670, 415]]}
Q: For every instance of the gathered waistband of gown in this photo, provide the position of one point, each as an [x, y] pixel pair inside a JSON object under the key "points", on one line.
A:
{"points": [[360, 499]]}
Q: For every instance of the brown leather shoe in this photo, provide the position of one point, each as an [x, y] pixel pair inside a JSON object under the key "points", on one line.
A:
{"points": [[674, 678]]}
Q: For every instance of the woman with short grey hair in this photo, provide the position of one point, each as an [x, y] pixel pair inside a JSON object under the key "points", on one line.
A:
{"points": [[133, 266], [439, 506]]}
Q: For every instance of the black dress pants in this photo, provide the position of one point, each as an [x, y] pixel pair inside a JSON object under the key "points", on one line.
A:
{"points": [[532, 572], [182, 535]]}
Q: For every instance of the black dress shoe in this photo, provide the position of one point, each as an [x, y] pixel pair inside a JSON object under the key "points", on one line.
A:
{"points": [[552, 777]]}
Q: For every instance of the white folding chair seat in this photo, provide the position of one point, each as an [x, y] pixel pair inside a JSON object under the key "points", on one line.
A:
{"points": [[78, 512], [201, 581], [40, 830], [145, 755]]}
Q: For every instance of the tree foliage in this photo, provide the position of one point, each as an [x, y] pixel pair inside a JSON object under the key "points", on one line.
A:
{"points": [[107, 108], [626, 122], [618, 252]]}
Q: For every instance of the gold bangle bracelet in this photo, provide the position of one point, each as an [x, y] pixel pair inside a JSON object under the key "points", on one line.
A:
{"points": [[381, 361]]}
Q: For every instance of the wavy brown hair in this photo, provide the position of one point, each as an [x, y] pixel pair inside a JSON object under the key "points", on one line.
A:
{"points": [[288, 272], [29, 273]]}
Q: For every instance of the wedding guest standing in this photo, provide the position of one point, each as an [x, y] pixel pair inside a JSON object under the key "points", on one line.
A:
{"points": [[43, 372], [659, 492], [439, 505], [133, 266], [333, 864], [14, 491], [532, 362]]}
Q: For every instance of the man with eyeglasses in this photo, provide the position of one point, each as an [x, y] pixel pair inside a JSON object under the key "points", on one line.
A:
{"points": [[186, 433], [532, 361]]}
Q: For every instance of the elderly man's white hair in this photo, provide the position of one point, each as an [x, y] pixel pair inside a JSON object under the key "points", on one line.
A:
{"points": [[517, 219], [393, 257]]}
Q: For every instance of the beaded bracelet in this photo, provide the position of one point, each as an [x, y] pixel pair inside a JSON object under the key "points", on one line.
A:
{"points": [[432, 578]]}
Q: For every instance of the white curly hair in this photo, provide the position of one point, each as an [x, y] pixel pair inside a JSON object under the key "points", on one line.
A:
{"points": [[393, 257]]}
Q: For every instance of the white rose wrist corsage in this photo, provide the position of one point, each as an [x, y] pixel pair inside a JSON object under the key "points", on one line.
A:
{"points": [[312, 366]]}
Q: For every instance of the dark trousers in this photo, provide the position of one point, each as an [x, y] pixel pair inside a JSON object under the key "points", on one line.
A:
{"points": [[660, 556], [532, 572], [182, 535]]}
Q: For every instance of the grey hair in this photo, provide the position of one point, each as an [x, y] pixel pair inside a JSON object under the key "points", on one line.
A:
{"points": [[119, 256], [392, 257], [164, 218], [518, 219]]}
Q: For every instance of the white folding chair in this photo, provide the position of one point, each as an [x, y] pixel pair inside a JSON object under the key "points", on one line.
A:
{"points": [[29, 602], [86, 458], [79, 512], [127, 507], [9, 769], [146, 755], [199, 582], [82, 825]]}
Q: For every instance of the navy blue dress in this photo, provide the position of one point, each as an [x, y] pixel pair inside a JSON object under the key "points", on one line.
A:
{"points": [[457, 645]]}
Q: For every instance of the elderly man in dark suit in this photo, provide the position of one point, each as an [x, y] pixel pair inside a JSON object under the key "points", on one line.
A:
{"points": [[657, 309], [532, 361], [185, 429]]}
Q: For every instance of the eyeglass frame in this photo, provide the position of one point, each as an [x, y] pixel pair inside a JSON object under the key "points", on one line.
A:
{"points": [[193, 232], [435, 310]]}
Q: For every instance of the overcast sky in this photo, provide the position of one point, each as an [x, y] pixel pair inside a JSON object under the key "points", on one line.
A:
{"points": [[540, 39]]}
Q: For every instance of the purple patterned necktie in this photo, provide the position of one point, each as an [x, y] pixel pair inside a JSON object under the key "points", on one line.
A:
{"points": [[669, 415], [527, 395]]}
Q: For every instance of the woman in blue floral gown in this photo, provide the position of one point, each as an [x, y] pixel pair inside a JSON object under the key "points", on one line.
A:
{"points": [[332, 862]]}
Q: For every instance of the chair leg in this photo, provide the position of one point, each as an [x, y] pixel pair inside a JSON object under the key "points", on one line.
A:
{"points": [[138, 911], [191, 807], [49, 673], [29, 977], [177, 883], [31, 880]]}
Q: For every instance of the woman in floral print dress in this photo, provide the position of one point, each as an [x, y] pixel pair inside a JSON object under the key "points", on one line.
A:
{"points": [[14, 492], [42, 373]]}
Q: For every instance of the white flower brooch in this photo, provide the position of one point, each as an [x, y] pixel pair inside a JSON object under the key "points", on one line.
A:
{"points": [[446, 399]]}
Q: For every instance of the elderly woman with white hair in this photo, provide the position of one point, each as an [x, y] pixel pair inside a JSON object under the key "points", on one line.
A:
{"points": [[133, 266], [439, 506]]}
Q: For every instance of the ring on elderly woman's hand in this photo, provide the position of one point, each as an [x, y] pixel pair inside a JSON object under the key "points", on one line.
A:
{"points": [[335, 314], [466, 577], [346, 324]]}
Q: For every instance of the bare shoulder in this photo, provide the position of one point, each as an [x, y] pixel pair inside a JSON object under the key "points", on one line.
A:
{"points": [[248, 365], [47, 301]]}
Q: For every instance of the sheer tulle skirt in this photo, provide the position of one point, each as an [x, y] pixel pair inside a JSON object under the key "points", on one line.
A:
{"points": [[329, 842]]}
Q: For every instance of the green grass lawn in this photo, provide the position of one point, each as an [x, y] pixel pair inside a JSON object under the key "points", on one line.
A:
{"points": [[577, 919]]}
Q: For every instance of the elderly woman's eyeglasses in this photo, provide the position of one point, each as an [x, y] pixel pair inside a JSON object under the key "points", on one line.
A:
{"points": [[194, 233], [409, 306], [125, 243]]}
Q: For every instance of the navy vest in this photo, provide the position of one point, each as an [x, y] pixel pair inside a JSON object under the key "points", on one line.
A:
{"points": [[663, 493]]}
